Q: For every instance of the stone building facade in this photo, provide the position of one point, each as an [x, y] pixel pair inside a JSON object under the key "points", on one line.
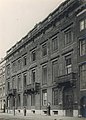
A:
{"points": [[43, 67], [2, 85]]}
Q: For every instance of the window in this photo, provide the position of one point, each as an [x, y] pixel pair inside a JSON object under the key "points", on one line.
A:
{"points": [[44, 74], [33, 55], [44, 50], [33, 76], [83, 24], [19, 83], [8, 70], [25, 81], [25, 60], [8, 85], [55, 43], [19, 100], [14, 67], [32, 99], [83, 76], [11, 87], [13, 83], [55, 70], [19, 64], [55, 97], [68, 64], [68, 37], [44, 95], [82, 47], [24, 100]]}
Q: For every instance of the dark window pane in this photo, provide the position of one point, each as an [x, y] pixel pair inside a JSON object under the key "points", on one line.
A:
{"points": [[44, 50]]}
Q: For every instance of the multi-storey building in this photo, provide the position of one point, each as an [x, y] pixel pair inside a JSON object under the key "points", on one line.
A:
{"points": [[43, 67], [2, 85]]}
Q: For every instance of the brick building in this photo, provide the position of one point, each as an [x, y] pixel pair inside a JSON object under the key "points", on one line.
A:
{"points": [[2, 84], [46, 65]]}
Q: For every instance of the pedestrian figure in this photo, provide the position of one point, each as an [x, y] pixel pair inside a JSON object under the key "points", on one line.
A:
{"points": [[4, 108], [24, 111], [48, 109]]}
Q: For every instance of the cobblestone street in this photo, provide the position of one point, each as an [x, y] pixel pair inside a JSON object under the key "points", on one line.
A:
{"points": [[36, 117]]}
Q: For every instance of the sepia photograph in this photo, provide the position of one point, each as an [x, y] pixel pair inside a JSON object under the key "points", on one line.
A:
{"points": [[42, 59]]}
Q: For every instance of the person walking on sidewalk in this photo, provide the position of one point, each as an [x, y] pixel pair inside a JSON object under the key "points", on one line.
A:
{"points": [[24, 111], [48, 109]]}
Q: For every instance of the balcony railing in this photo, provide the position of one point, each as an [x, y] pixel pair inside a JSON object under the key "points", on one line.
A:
{"points": [[12, 92], [66, 78], [32, 88]]}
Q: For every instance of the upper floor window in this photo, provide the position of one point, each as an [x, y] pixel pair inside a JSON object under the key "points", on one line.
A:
{"points": [[83, 76], [68, 64], [13, 83], [82, 47], [19, 83], [83, 24], [44, 50], [55, 70], [8, 85], [55, 43], [33, 56], [33, 76], [19, 64], [14, 66], [8, 70], [25, 60], [25, 80], [44, 74], [68, 36]]}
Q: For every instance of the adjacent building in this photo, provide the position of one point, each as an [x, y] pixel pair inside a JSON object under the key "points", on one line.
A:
{"points": [[48, 64], [2, 85]]}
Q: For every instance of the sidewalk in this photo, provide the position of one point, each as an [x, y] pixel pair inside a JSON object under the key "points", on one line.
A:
{"points": [[37, 117]]}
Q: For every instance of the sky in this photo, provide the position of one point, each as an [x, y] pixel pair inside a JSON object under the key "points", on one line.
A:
{"points": [[18, 17]]}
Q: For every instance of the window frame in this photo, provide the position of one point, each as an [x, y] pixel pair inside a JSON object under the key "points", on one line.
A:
{"points": [[68, 66], [82, 47], [24, 60], [82, 24], [68, 36], [44, 50], [54, 95], [81, 76], [33, 77], [44, 97], [24, 79], [32, 99], [55, 43], [53, 75], [33, 55], [44, 81]]}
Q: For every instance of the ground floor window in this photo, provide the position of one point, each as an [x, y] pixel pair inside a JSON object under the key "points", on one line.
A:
{"points": [[83, 76], [55, 97], [44, 97], [19, 100], [33, 100], [25, 100]]}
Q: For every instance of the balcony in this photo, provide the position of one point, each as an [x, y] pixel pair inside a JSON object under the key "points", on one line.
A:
{"points": [[68, 78], [12, 92], [32, 88]]}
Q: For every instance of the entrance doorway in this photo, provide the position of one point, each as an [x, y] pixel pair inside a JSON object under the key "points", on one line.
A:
{"points": [[68, 101], [83, 106]]}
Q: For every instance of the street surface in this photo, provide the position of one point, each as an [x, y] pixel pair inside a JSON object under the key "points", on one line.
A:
{"points": [[35, 117]]}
